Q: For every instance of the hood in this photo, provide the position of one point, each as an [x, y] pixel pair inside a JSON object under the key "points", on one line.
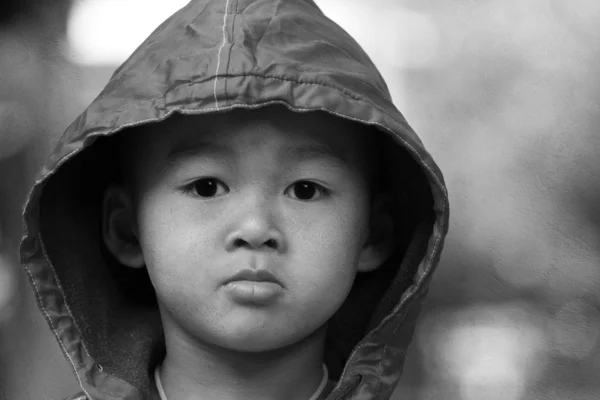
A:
{"points": [[216, 56]]}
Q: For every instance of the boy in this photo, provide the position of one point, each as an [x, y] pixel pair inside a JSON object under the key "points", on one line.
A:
{"points": [[241, 214]]}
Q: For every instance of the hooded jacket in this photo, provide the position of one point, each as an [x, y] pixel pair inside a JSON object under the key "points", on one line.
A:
{"points": [[215, 56]]}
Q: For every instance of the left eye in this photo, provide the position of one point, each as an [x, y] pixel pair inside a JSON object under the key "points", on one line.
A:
{"points": [[305, 190], [208, 187]]}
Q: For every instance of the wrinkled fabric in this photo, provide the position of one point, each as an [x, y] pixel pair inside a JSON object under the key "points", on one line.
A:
{"points": [[215, 56]]}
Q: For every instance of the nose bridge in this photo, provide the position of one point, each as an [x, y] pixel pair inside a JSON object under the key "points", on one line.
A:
{"points": [[256, 208], [255, 220]]}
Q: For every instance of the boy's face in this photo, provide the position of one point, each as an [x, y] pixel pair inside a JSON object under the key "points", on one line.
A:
{"points": [[218, 198]]}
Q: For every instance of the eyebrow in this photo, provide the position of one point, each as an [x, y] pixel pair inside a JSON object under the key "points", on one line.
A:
{"points": [[314, 151], [186, 149], [193, 148]]}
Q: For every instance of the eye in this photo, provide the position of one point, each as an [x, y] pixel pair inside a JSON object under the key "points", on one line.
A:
{"points": [[306, 190], [207, 187]]}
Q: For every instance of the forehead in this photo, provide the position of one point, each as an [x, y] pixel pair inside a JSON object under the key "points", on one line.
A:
{"points": [[275, 127]]}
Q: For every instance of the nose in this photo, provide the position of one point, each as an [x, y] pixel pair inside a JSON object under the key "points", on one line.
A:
{"points": [[255, 230]]}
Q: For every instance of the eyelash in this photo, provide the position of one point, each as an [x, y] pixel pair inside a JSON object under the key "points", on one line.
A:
{"points": [[323, 192], [192, 188]]}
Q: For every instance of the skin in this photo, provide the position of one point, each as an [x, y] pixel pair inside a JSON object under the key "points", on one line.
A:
{"points": [[208, 196]]}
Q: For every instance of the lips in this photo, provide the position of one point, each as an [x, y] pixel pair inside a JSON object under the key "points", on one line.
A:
{"points": [[253, 288], [258, 275]]}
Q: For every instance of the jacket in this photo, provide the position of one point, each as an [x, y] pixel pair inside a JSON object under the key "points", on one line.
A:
{"points": [[215, 56]]}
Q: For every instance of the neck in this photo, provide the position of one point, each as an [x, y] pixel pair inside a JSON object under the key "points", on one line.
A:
{"points": [[193, 370]]}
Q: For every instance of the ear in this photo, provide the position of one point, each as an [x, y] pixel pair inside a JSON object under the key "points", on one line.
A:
{"points": [[119, 229], [381, 240]]}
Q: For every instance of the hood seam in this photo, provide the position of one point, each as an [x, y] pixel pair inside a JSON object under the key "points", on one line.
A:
{"points": [[261, 76], [50, 320], [415, 286], [217, 108], [224, 28], [57, 279]]}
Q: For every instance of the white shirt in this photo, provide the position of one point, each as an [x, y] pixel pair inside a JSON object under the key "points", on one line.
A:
{"points": [[315, 395]]}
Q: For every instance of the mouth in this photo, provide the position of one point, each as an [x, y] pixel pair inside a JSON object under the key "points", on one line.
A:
{"points": [[253, 287], [259, 275]]}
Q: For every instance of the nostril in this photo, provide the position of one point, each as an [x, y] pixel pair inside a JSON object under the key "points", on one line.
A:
{"points": [[241, 243]]}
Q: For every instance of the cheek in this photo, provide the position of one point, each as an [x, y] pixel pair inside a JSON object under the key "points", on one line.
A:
{"points": [[329, 248], [338, 232], [173, 247]]}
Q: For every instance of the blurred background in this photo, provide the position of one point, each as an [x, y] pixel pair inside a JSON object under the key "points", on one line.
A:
{"points": [[503, 94]]}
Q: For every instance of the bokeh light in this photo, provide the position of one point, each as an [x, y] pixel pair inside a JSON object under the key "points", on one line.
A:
{"points": [[486, 351], [105, 32], [8, 285]]}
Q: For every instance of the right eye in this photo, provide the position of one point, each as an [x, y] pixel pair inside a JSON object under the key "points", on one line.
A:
{"points": [[207, 187]]}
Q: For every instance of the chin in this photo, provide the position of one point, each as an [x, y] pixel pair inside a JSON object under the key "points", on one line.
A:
{"points": [[260, 346], [266, 340], [255, 342]]}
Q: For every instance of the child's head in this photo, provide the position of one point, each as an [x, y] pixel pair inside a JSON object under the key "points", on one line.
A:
{"points": [[207, 197], [264, 194]]}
